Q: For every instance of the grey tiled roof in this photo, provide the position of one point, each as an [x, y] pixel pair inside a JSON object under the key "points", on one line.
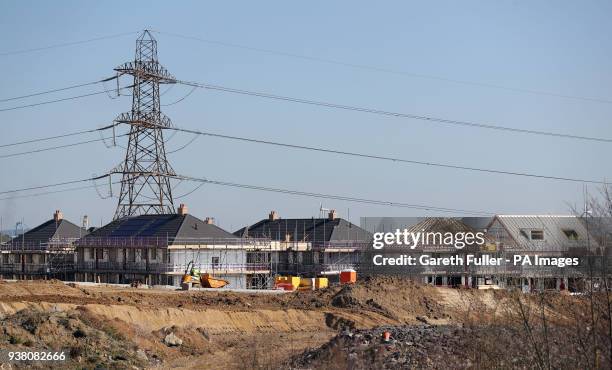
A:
{"points": [[49, 230], [173, 226], [306, 229]]}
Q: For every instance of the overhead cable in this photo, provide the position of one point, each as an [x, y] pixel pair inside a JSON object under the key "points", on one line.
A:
{"points": [[337, 197], [65, 44], [59, 100], [58, 89], [389, 70], [57, 136], [430, 119], [10, 155], [380, 157], [54, 185]]}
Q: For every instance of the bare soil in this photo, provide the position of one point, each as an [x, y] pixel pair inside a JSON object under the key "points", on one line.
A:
{"points": [[340, 327]]}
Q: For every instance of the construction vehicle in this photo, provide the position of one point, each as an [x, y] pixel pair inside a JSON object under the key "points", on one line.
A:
{"points": [[207, 281], [193, 277]]}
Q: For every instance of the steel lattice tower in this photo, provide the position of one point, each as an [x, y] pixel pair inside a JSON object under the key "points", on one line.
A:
{"points": [[146, 173]]}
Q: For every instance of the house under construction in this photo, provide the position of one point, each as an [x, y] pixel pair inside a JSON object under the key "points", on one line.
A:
{"points": [[549, 237], [159, 249], [450, 275], [44, 252], [311, 246]]}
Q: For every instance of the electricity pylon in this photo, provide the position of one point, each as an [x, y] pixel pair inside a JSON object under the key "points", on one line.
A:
{"points": [[146, 173]]}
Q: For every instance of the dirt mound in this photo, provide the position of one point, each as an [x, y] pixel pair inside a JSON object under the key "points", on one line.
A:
{"points": [[409, 347], [34, 288], [345, 299], [430, 327], [394, 297], [397, 298], [85, 340], [435, 347]]}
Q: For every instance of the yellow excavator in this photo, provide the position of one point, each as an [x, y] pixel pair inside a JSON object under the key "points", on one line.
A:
{"points": [[193, 276]]}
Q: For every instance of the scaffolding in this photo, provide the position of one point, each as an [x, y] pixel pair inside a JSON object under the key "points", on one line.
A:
{"points": [[248, 263], [53, 259], [320, 258]]}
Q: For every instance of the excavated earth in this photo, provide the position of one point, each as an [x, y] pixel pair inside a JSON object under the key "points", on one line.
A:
{"points": [[341, 327]]}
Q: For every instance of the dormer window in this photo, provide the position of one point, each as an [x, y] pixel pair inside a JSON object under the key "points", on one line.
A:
{"points": [[571, 234], [537, 234], [533, 234]]}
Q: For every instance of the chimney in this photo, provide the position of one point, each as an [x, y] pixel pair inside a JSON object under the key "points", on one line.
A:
{"points": [[273, 216], [209, 220], [333, 214], [182, 209], [58, 215], [85, 222]]}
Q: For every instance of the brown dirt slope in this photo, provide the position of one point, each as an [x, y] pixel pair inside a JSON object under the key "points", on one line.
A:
{"points": [[117, 327]]}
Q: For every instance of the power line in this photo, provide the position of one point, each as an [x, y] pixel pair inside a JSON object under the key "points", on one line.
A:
{"points": [[184, 146], [59, 100], [24, 51], [54, 185], [387, 70], [94, 186], [337, 197], [58, 89], [266, 189], [392, 114], [181, 99], [310, 148], [48, 192], [57, 147], [57, 136], [189, 192], [379, 157]]}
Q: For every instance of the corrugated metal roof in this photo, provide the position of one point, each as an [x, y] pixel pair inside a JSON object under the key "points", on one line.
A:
{"points": [[554, 228]]}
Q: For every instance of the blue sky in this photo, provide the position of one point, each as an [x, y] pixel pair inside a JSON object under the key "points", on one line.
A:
{"points": [[556, 46]]}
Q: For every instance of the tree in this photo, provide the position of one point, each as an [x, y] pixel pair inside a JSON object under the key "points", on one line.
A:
{"points": [[597, 217]]}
